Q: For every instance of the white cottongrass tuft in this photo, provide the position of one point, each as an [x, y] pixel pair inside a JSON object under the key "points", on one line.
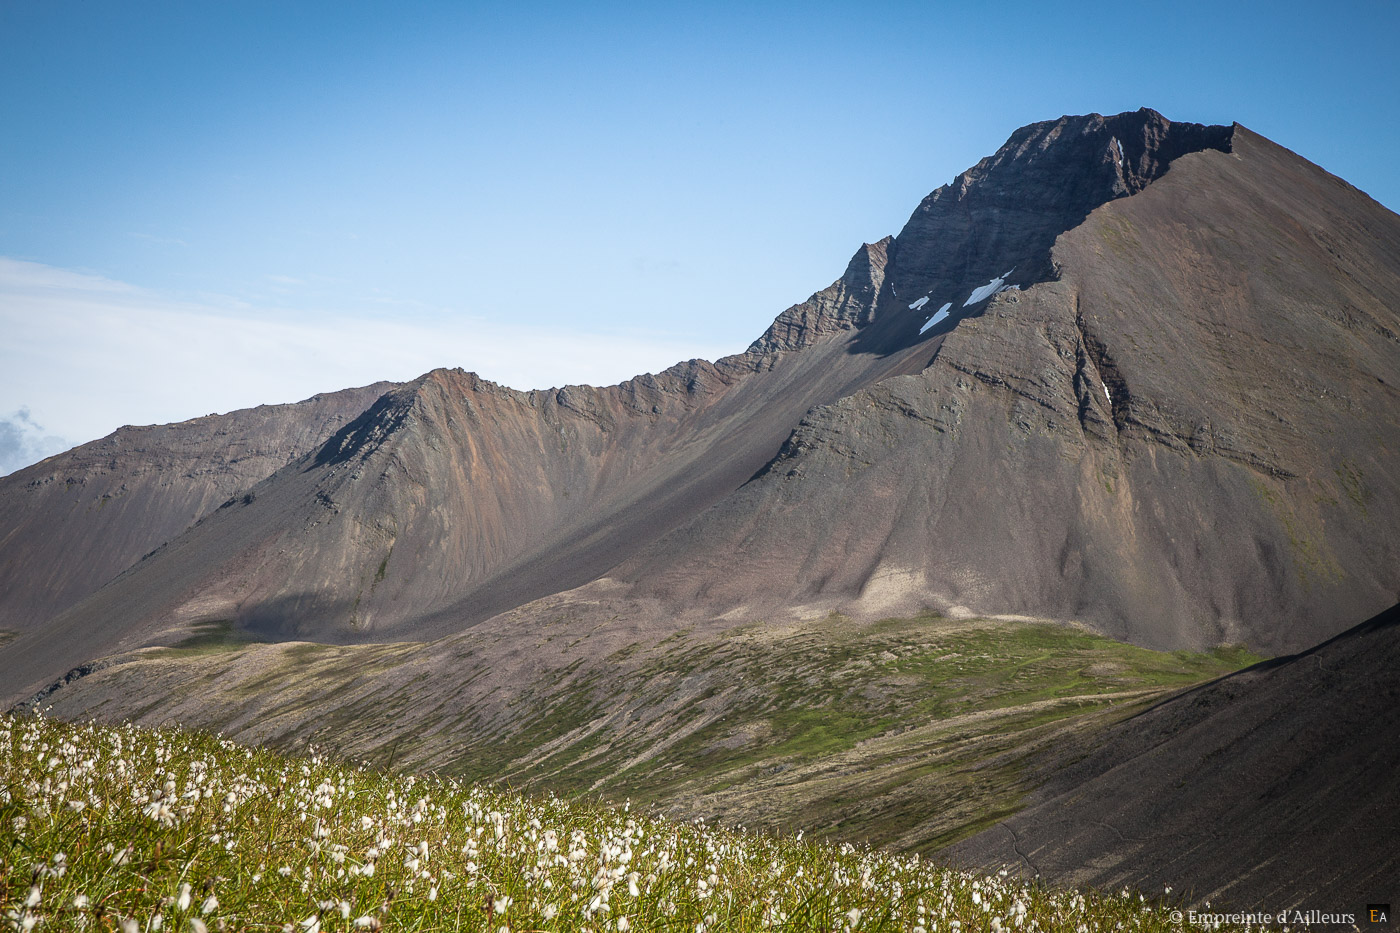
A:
{"points": [[405, 852]]}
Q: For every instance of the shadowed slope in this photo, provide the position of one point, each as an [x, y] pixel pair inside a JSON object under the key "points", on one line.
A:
{"points": [[1274, 787]]}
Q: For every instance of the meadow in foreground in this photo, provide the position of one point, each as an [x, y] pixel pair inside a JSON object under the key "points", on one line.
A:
{"points": [[128, 829]]}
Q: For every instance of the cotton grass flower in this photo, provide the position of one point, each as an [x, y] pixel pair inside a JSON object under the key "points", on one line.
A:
{"points": [[404, 852]]}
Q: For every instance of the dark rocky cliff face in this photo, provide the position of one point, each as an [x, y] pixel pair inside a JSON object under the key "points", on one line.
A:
{"points": [[847, 304], [1004, 214], [1179, 428]]}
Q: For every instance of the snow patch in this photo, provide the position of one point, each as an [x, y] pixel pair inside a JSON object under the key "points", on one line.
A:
{"points": [[938, 315], [983, 292], [1106, 395], [919, 304], [1117, 150]]}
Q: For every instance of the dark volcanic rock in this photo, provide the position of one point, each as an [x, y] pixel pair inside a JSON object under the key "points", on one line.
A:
{"points": [[1004, 214], [847, 303], [1273, 788]]}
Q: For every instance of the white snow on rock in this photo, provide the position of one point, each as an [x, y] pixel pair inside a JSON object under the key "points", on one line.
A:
{"points": [[1106, 395], [919, 304], [983, 292], [938, 315]]}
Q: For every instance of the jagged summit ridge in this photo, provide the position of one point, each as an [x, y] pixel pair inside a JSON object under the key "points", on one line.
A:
{"points": [[990, 230], [1004, 214], [1083, 160]]}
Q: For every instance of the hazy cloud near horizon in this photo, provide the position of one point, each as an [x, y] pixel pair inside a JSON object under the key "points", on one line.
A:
{"points": [[87, 354], [24, 441]]}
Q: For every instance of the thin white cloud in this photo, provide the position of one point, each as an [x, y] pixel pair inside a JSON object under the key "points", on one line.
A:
{"points": [[160, 240], [89, 354]]}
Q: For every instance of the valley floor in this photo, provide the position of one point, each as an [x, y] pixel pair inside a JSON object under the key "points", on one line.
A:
{"points": [[907, 733]]}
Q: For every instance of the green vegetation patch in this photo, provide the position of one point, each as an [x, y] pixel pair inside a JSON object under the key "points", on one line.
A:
{"points": [[1350, 478], [212, 637], [907, 732], [840, 728], [120, 828]]}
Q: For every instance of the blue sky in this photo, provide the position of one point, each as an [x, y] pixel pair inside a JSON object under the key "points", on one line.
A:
{"points": [[205, 206]]}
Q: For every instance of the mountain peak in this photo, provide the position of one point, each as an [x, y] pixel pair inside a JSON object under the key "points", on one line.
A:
{"points": [[1071, 165], [1205, 316], [1006, 211], [1138, 146]]}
